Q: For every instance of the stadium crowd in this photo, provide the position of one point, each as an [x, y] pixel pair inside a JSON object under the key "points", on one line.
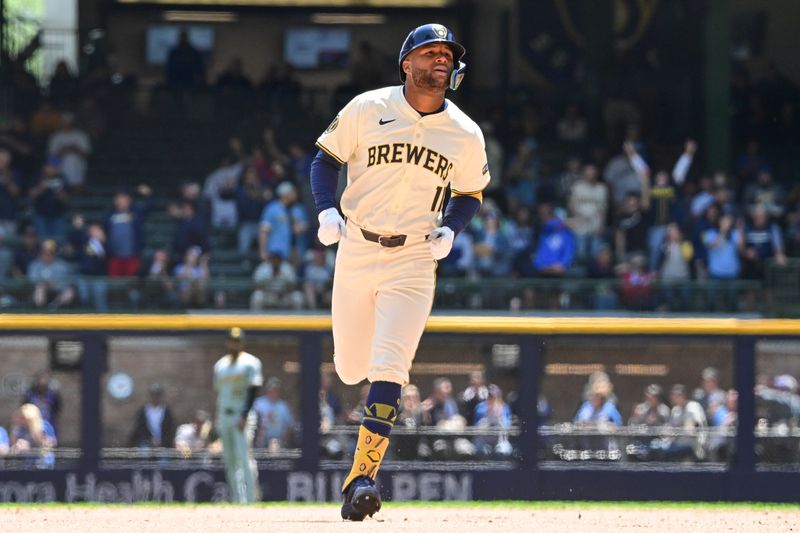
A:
{"points": [[639, 218], [481, 421]]}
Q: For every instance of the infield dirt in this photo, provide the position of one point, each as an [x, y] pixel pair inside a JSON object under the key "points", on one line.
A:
{"points": [[411, 519]]}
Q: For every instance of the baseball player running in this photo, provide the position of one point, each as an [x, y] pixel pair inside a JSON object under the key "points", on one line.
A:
{"points": [[237, 378], [403, 146]]}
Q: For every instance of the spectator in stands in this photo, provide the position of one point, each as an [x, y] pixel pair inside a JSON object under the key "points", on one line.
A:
{"points": [[689, 416], [633, 225], [15, 138], [703, 198], [522, 173], [666, 206], [10, 191], [556, 249], [185, 67], [475, 393], [598, 410], [192, 277], [675, 269], [153, 426], [44, 394], [762, 241], [724, 196], [220, 189], [233, 80], [124, 228], [92, 267], [519, 235], [588, 208], [723, 414], [777, 410], [766, 193], [442, 412], [412, 416], [572, 128], [709, 395], [32, 436], [637, 285], [317, 279], [63, 88], [278, 224], [598, 377], [709, 220], [197, 436], [275, 283], [491, 249], [627, 173], [50, 276], [251, 197], [725, 417], [440, 405], [722, 246], [26, 253], [191, 229], [50, 200], [494, 413], [156, 276], [652, 412], [275, 419], [72, 146], [601, 269]]}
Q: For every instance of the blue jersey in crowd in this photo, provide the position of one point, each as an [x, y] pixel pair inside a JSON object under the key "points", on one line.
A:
{"points": [[723, 261], [277, 218]]}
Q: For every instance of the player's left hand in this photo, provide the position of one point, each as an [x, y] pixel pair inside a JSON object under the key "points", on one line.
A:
{"points": [[441, 242], [242, 423]]}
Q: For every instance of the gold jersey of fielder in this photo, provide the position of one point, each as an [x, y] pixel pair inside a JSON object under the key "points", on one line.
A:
{"points": [[400, 163]]}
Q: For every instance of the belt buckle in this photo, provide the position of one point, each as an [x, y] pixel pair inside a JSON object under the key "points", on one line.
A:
{"points": [[391, 241]]}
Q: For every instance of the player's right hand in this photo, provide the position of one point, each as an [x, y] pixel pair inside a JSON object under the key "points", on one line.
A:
{"points": [[331, 226]]}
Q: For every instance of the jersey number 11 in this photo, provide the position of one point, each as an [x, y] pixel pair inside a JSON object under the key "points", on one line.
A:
{"points": [[438, 199]]}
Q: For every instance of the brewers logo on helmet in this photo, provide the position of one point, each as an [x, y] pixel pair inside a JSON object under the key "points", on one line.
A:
{"points": [[435, 33]]}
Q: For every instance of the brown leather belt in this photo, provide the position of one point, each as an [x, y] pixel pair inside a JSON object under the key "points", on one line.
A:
{"points": [[387, 241]]}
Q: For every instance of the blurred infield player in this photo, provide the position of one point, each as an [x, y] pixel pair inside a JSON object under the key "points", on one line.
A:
{"points": [[403, 146], [237, 378]]}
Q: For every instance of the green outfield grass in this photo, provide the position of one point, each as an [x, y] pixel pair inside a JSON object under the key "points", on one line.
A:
{"points": [[508, 504]]}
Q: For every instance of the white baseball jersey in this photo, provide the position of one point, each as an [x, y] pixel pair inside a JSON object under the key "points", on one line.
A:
{"points": [[399, 163], [232, 381]]}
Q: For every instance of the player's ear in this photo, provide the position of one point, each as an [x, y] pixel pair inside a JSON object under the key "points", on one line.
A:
{"points": [[407, 66]]}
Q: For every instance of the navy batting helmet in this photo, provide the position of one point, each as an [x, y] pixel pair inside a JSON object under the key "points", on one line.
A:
{"points": [[434, 33]]}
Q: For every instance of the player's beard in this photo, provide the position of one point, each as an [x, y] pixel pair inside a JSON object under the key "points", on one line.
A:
{"points": [[424, 79]]}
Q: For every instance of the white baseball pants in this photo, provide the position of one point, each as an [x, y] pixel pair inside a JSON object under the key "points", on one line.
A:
{"points": [[239, 466], [381, 301]]}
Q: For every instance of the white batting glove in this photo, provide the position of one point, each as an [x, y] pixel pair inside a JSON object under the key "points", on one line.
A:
{"points": [[441, 242], [331, 226]]}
